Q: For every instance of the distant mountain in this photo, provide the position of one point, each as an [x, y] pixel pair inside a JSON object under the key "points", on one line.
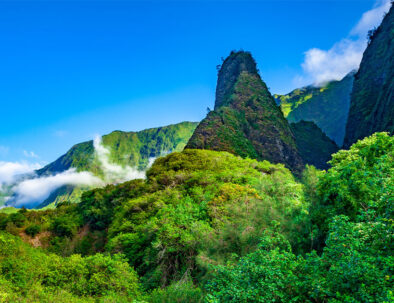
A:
{"points": [[372, 100], [246, 121], [326, 106], [314, 146], [126, 148], [132, 149]]}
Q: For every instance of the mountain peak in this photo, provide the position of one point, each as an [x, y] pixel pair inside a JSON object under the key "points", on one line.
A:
{"points": [[232, 67], [246, 121]]}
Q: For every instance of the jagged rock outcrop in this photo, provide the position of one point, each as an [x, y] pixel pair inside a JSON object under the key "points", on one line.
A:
{"points": [[372, 99], [246, 120], [233, 66]]}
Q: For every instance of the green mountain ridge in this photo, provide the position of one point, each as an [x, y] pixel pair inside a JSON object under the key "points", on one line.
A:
{"points": [[126, 148], [133, 149], [326, 106], [372, 98]]}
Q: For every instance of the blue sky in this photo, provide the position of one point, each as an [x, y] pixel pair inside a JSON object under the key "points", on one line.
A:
{"points": [[73, 69]]}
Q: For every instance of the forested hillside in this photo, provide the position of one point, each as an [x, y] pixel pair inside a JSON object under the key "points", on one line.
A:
{"points": [[126, 148], [126, 151], [211, 226]]}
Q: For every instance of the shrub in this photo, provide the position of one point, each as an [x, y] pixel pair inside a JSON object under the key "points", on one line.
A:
{"points": [[178, 292], [63, 227], [33, 230]]}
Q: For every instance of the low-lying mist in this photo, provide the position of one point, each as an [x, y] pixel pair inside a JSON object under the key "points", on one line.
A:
{"points": [[32, 190]]}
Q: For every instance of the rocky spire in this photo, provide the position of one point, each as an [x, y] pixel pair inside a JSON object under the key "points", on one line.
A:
{"points": [[229, 72], [246, 120]]}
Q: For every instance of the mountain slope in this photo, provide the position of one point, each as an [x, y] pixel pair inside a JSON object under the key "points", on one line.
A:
{"points": [[326, 106], [313, 145], [126, 148], [132, 149], [372, 101], [246, 120]]}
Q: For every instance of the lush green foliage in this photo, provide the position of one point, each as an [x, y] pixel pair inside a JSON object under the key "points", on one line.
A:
{"points": [[360, 183], [126, 148], [268, 274], [355, 266], [356, 263], [210, 226], [31, 273], [192, 212]]}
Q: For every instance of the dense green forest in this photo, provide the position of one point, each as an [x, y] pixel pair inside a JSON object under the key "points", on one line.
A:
{"points": [[208, 226]]}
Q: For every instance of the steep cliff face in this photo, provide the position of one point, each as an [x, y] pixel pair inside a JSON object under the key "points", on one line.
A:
{"points": [[228, 75], [313, 145], [246, 121], [326, 106], [372, 99]]}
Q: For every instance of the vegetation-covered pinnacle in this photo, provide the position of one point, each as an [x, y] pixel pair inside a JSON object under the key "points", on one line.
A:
{"points": [[246, 120], [229, 72]]}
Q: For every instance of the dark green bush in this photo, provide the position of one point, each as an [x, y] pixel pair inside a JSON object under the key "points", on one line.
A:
{"points": [[63, 227], [33, 230], [17, 218]]}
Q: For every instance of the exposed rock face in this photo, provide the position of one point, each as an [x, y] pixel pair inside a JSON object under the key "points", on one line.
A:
{"points": [[246, 121], [228, 75], [327, 106], [313, 145], [372, 100]]}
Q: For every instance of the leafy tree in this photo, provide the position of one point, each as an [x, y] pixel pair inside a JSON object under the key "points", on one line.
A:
{"points": [[177, 293], [359, 184], [33, 230], [63, 227], [18, 218], [356, 265], [266, 275]]}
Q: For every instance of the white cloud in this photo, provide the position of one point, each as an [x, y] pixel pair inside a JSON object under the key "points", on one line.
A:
{"points": [[371, 18], [320, 66], [10, 170], [31, 191], [38, 189], [30, 154], [114, 173]]}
